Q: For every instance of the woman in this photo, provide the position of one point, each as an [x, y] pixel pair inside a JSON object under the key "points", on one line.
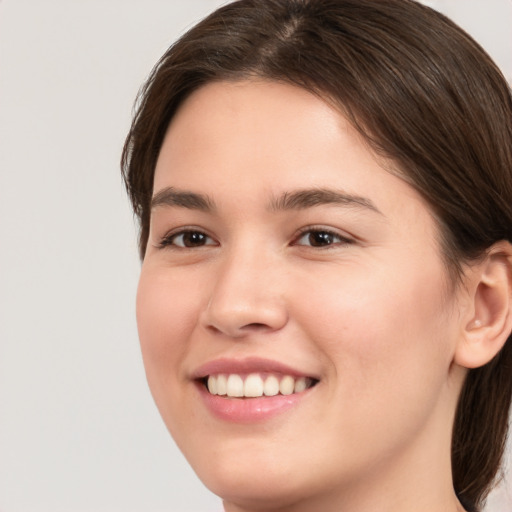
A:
{"points": [[324, 189]]}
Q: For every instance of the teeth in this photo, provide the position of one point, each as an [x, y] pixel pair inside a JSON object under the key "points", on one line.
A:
{"points": [[254, 386], [300, 385], [286, 385], [222, 384], [271, 386], [212, 385], [235, 386]]}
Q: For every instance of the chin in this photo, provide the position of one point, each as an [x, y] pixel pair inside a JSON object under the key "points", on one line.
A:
{"points": [[249, 475], [255, 488]]}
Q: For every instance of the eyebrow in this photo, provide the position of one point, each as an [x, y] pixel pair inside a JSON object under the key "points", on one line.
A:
{"points": [[308, 198], [295, 200], [169, 196]]}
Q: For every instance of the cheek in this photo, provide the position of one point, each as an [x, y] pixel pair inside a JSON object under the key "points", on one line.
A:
{"points": [[383, 336], [383, 331], [166, 314]]}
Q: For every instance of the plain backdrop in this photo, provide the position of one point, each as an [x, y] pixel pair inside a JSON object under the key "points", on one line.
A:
{"points": [[78, 428]]}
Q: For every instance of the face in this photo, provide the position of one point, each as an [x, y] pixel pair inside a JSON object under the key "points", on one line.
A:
{"points": [[303, 283]]}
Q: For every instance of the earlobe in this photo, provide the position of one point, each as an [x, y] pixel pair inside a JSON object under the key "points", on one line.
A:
{"points": [[490, 323]]}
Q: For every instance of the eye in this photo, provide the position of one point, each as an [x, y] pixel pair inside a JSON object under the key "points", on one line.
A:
{"points": [[187, 239], [321, 238]]}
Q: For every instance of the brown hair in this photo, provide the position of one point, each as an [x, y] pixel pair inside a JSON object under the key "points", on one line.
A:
{"points": [[421, 92]]}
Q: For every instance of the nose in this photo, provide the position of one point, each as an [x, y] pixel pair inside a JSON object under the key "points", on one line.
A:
{"points": [[248, 295]]}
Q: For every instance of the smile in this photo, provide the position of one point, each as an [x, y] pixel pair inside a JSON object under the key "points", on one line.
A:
{"points": [[256, 385], [252, 390]]}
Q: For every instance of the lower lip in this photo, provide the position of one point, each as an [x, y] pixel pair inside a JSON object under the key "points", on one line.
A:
{"points": [[249, 410]]}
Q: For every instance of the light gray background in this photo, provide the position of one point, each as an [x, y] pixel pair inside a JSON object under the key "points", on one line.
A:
{"points": [[78, 429]]}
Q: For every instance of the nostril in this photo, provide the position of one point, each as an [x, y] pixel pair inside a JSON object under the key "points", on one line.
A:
{"points": [[243, 330], [255, 326]]}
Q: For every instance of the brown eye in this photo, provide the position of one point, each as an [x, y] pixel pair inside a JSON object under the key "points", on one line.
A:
{"points": [[321, 238], [188, 239]]}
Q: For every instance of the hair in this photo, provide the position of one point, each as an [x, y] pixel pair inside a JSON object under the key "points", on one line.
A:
{"points": [[421, 92]]}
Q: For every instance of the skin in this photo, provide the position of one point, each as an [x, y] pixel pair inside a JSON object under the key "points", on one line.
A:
{"points": [[372, 315]]}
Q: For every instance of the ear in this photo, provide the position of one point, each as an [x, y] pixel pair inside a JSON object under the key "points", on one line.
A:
{"points": [[488, 322]]}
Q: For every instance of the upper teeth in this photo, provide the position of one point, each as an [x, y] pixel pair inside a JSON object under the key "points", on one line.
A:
{"points": [[254, 385]]}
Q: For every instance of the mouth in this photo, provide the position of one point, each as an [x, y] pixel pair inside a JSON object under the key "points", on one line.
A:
{"points": [[256, 385], [252, 390]]}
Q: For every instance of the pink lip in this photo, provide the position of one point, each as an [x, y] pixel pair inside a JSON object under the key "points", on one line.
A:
{"points": [[247, 410], [244, 366]]}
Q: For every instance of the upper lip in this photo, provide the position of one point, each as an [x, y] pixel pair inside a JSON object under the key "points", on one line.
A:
{"points": [[246, 365]]}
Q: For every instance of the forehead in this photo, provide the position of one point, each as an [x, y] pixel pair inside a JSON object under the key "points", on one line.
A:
{"points": [[258, 124], [250, 133]]}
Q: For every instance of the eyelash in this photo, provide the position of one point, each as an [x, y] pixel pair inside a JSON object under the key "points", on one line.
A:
{"points": [[169, 240], [311, 230]]}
